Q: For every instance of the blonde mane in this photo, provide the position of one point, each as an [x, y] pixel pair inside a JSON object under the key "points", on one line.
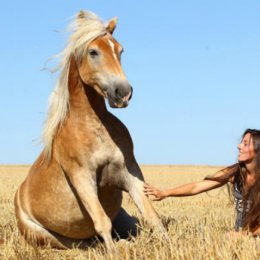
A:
{"points": [[86, 28]]}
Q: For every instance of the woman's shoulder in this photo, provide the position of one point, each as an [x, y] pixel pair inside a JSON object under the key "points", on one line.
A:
{"points": [[232, 172]]}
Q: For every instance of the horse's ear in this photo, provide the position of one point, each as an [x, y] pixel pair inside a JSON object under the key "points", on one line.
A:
{"points": [[81, 15], [112, 25]]}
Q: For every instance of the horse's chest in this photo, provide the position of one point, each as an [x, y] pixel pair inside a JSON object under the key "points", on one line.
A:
{"points": [[106, 151], [110, 164]]}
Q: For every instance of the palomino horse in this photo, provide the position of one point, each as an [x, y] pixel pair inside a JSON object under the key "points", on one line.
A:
{"points": [[74, 189]]}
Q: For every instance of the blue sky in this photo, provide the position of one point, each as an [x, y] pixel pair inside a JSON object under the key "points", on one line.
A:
{"points": [[194, 67]]}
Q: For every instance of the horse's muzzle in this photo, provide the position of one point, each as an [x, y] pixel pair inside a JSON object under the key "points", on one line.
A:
{"points": [[119, 99]]}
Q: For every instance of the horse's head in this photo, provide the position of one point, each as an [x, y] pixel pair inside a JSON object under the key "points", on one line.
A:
{"points": [[101, 68]]}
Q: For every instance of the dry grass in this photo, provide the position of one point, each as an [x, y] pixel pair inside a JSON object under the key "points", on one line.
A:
{"points": [[196, 225]]}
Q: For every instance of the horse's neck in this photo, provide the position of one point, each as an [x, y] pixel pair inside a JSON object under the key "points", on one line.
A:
{"points": [[84, 100]]}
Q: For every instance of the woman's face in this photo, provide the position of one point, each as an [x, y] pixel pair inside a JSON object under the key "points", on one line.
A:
{"points": [[246, 149]]}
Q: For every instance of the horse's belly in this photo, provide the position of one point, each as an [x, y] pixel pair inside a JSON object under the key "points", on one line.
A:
{"points": [[81, 228], [68, 217]]}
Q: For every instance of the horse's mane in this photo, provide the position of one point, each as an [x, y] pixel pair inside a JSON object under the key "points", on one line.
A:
{"points": [[85, 29]]}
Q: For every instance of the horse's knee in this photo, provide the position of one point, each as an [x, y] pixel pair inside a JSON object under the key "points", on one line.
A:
{"points": [[103, 225]]}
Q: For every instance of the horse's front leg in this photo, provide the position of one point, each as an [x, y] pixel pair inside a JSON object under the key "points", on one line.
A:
{"points": [[133, 183], [84, 183]]}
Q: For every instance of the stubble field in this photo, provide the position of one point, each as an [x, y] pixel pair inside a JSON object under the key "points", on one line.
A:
{"points": [[196, 225]]}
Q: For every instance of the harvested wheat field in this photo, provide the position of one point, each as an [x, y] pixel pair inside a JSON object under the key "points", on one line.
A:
{"points": [[196, 225]]}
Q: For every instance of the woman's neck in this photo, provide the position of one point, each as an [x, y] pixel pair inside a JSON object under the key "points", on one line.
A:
{"points": [[250, 174], [250, 168]]}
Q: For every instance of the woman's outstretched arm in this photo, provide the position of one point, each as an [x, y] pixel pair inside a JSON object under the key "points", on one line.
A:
{"points": [[189, 189]]}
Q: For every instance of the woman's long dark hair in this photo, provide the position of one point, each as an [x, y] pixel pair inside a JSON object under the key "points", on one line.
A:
{"points": [[251, 217]]}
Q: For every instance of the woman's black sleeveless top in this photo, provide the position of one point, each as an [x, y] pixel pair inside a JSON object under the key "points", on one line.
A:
{"points": [[239, 206]]}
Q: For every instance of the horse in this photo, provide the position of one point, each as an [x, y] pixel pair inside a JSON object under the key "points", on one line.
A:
{"points": [[73, 190]]}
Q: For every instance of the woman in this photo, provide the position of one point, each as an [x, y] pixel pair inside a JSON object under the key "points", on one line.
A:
{"points": [[245, 179]]}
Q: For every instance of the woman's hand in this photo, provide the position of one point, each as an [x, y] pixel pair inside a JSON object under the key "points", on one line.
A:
{"points": [[150, 190], [233, 234]]}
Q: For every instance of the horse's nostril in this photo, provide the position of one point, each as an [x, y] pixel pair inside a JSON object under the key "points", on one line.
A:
{"points": [[117, 92]]}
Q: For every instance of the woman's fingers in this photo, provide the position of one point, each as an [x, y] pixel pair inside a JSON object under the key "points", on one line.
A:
{"points": [[147, 186], [147, 189], [157, 199], [233, 234], [150, 190]]}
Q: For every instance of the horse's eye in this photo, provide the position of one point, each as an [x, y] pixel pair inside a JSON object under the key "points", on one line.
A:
{"points": [[93, 53]]}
